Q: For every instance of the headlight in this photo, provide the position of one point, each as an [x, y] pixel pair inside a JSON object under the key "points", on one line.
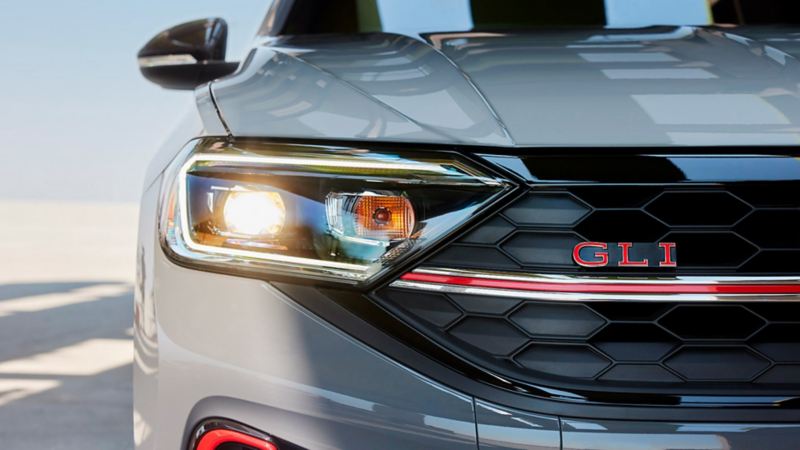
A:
{"points": [[299, 210]]}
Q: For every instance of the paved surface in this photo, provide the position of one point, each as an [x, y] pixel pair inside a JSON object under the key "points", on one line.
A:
{"points": [[65, 317]]}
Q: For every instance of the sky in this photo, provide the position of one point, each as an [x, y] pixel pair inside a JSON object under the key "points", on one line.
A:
{"points": [[77, 120]]}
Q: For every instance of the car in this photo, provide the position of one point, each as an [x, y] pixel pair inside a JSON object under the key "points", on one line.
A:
{"points": [[475, 224]]}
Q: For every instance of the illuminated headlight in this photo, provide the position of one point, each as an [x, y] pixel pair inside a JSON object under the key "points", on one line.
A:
{"points": [[297, 210], [253, 214]]}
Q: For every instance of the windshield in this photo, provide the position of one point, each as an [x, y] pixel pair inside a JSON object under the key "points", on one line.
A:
{"points": [[424, 16]]}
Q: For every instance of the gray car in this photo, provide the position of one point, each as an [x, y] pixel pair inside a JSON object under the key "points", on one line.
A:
{"points": [[475, 224]]}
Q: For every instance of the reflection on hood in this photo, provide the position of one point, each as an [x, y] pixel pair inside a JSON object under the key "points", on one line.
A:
{"points": [[657, 86]]}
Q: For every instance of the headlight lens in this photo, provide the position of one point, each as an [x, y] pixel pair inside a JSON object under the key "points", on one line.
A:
{"points": [[254, 214], [336, 213]]}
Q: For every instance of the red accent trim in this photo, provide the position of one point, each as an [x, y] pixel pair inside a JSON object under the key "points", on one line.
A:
{"points": [[668, 261], [626, 257], [576, 254], [598, 288], [215, 438]]}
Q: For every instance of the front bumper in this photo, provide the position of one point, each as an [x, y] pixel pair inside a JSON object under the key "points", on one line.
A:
{"points": [[217, 346], [236, 348]]}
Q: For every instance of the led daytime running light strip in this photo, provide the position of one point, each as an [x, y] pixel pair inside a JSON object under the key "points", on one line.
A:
{"points": [[314, 162]]}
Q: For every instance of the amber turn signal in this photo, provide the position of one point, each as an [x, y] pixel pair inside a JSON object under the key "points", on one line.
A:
{"points": [[383, 217]]}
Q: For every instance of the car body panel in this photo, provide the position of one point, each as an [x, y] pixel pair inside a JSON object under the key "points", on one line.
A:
{"points": [[661, 86], [410, 77], [615, 435], [502, 428], [653, 87], [145, 329], [278, 94]]}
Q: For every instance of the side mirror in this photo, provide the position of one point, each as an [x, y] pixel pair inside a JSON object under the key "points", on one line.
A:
{"points": [[187, 55]]}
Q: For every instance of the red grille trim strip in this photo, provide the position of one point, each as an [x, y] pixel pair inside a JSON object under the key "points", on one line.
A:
{"points": [[604, 288]]}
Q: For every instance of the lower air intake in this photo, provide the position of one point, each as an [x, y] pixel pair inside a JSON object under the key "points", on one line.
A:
{"points": [[708, 346]]}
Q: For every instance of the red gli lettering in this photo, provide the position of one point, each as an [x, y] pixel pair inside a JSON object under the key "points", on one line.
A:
{"points": [[668, 261], [626, 258], [603, 255]]}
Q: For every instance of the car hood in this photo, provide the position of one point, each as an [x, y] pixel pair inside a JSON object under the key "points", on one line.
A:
{"points": [[661, 86]]}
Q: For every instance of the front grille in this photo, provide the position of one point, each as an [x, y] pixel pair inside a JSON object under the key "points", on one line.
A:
{"points": [[734, 229], [647, 343], [742, 229]]}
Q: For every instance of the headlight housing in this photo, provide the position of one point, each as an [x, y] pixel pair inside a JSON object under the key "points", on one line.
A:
{"points": [[342, 214]]}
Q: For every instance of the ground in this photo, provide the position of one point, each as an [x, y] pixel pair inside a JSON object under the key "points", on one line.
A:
{"points": [[65, 325]]}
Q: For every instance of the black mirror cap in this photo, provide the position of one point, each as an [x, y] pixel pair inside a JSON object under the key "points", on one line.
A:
{"points": [[187, 55]]}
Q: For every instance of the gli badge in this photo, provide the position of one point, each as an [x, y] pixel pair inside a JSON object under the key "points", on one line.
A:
{"points": [[625, 254]]}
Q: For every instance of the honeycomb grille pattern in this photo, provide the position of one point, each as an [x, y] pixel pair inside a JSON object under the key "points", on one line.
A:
{"points": [[742, 229], [615, 342]]}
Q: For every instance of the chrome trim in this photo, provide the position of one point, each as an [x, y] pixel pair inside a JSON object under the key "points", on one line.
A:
{"points": [[600, 297], [548, 278]]}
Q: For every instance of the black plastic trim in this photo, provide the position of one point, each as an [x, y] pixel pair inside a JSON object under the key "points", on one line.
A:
{"points": [[362, 319]]}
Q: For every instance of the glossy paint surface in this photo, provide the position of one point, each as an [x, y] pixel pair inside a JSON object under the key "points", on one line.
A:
{"points": [[657, 86], [660, 86], [610, 435], [145, 327], [278, 94], [412, 78], [505, 429]]}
